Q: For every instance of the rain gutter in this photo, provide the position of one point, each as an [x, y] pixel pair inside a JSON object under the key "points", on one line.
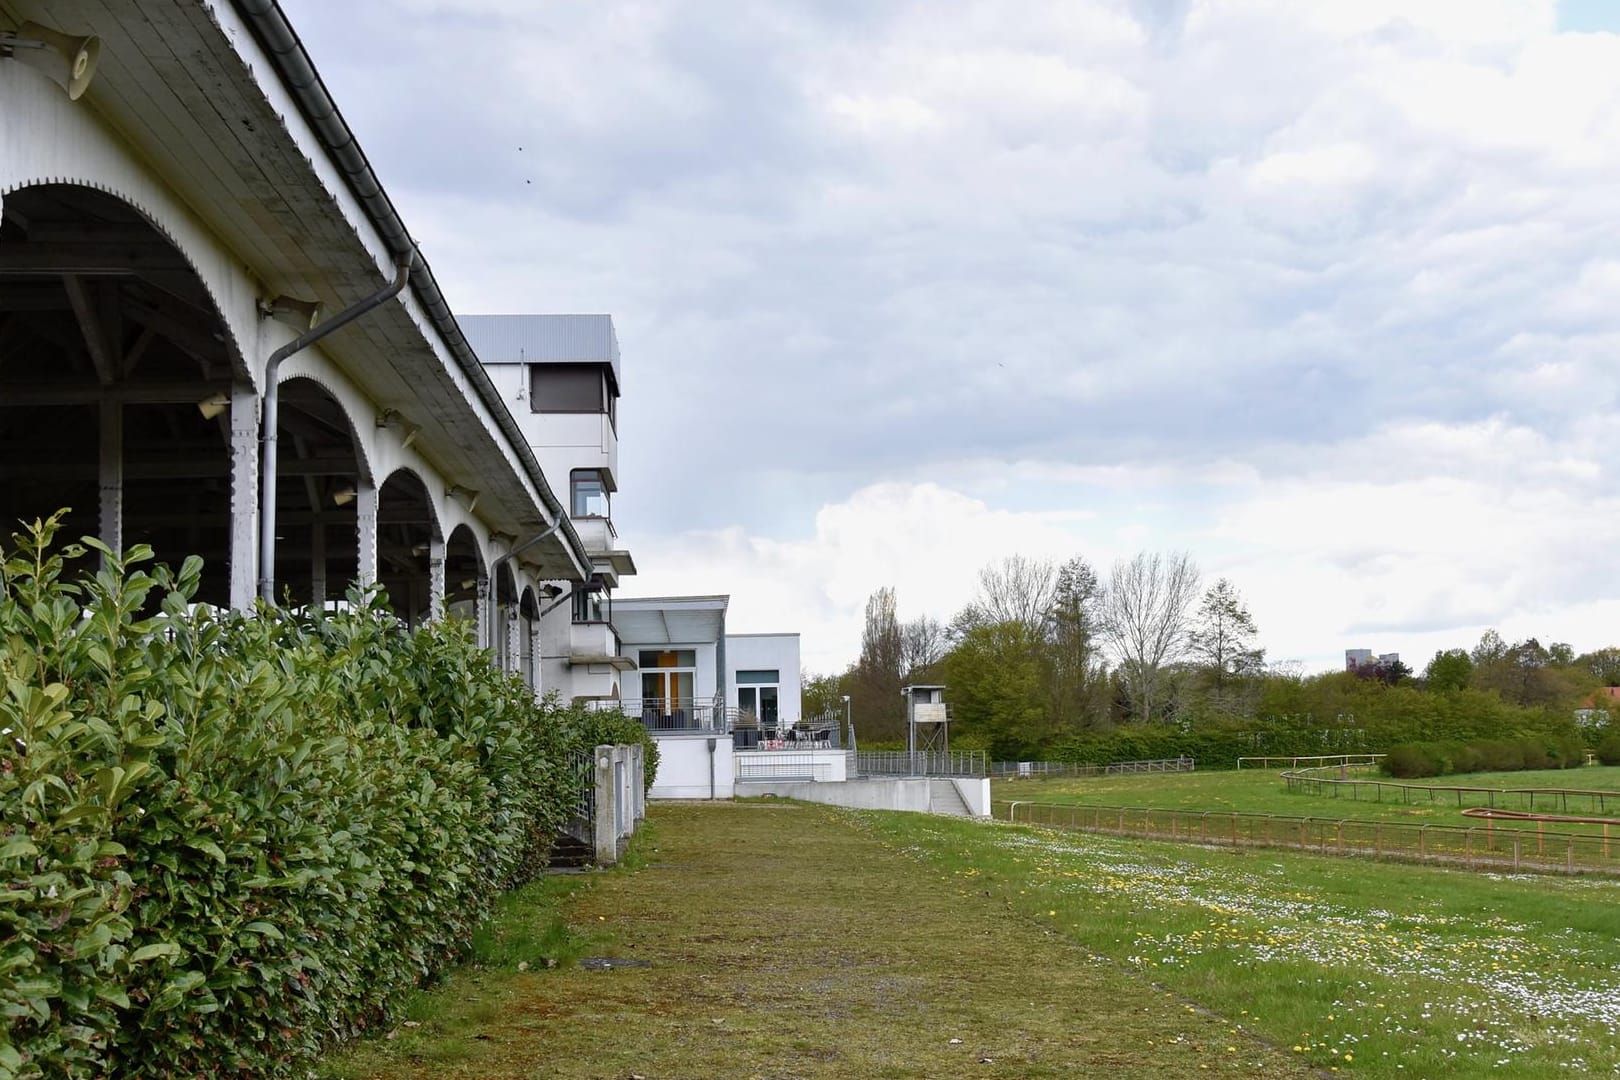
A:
{"points": [[292, 64]]}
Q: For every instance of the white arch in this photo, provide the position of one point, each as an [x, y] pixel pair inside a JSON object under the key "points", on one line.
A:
{"points": [[354, 405], [47, 139]]}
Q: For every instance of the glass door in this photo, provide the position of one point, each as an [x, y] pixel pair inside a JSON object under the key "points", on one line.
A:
{"points": [[668, 686]]}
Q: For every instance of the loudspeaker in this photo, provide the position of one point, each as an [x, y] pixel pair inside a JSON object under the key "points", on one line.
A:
{"points": [[68, 60]]}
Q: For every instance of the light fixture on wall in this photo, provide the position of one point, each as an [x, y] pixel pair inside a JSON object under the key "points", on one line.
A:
{"points": [[391, 418], [66, 59], [344, 496], [301, 314], [213, 405], [551, 592], [469, 494]]}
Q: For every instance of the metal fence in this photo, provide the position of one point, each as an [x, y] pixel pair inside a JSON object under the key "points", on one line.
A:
{"points": [[582, 774], [782, 765], [1310, 761], [1488, 847], [1026, 770], [920, 763], [1533, 799]]}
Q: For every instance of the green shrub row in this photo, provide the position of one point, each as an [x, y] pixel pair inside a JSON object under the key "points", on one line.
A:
{"points": [[228, 840], [1608, 749], [1417, 759], [1335, 716]]}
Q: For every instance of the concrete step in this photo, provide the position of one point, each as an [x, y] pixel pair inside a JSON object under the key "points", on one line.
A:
{"points": [[570, 853], [943, 798]]}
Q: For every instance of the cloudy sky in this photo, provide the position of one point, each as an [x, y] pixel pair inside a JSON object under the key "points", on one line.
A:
{"points": [[1324, 292]]}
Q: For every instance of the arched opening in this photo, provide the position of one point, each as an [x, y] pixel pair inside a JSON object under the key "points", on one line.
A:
{"points": [[319, 473], [506, 623], [466, 591], [116, 385], [409, 547]]}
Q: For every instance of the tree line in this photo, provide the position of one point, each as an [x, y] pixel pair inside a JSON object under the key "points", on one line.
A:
{"points": [[1055, 660]]}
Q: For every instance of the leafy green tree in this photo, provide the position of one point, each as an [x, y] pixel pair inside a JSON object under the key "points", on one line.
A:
{"points": [[879, 712], [823, 695], [1602, 664], [1491, 648], [1522, 675], [1079, 673], [1449, 671], [995, 677], [1221, 643]]}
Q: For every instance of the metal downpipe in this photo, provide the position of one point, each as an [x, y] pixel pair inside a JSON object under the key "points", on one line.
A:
{"points": [[272, 416]]}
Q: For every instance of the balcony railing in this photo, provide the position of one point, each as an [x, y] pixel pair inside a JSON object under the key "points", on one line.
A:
{"points": [[676, 715]]}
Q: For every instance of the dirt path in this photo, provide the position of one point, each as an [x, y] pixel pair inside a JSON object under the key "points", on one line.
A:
{"points": [[781, 940]]}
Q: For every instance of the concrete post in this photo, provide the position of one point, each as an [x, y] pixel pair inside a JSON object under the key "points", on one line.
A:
{"points": [[111, 469], [638, 779], [435, 579], [514, 648], [317, 563], [535, 667], [244, 496], [365, 509], [483, 614], [604, 833]]}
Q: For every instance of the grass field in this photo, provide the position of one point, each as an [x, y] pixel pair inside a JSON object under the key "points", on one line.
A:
{"points": [[777, 940], [783, 940], [1363, 967], [1264, 792]]}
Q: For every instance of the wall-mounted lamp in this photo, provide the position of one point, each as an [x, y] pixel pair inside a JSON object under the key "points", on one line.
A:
{"points": [[551, 592], [469, 582], [213, 405], [391, 418], [343, 496], [302, 314], [67, 60], [469, 494]]}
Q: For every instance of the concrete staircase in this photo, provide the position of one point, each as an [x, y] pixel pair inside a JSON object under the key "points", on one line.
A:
{"points": [[943, 798]]}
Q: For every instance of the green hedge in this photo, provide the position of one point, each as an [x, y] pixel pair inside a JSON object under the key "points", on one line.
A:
{"points": [[228, 840], [1418, 759]]}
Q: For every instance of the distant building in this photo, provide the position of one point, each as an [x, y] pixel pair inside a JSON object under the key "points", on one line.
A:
{"points": [[1360, 659], [1599, 708]]}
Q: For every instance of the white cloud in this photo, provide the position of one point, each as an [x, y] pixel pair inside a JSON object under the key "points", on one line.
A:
{"points": [[1323, 292]]}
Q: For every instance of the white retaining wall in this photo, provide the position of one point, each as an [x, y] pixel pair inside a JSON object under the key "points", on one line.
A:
{"points": [[888, 793], [683, 767]]}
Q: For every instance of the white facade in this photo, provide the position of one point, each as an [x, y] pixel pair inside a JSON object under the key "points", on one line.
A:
{"points": [[763, 677], [558, 376]]}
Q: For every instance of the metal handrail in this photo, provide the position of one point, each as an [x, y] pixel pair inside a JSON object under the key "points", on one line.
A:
{"points": [[1493, 847]]}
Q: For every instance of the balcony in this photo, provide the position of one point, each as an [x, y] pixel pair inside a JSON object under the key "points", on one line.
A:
{"points": [[596, 533], [596, 643]]}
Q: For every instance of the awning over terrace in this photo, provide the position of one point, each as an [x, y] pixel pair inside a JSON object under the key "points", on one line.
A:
{"points": [[670, 620]]}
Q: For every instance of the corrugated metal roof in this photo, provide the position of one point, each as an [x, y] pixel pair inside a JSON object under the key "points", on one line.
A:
{"points": [[543, 339]]}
